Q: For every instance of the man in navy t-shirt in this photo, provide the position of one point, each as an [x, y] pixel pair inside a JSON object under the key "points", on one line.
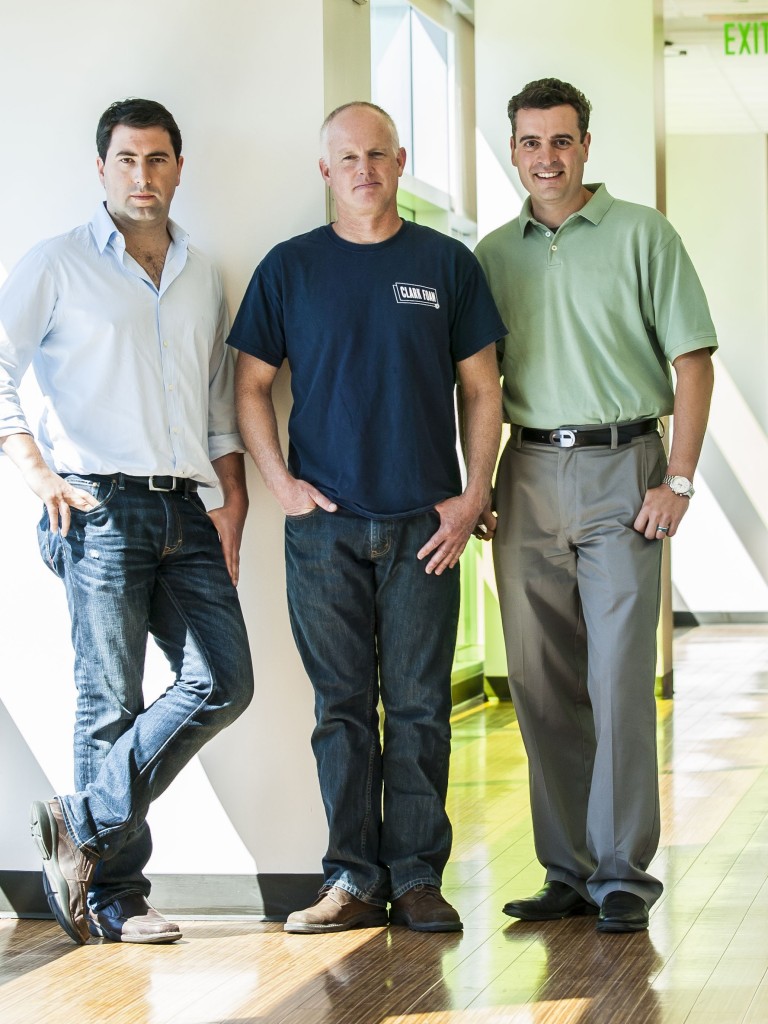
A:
{"points": [[375, 317]]}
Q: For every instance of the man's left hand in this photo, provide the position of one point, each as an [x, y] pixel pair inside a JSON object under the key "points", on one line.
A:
{"points": [[458, 519], [229, 520], [662, 507]]}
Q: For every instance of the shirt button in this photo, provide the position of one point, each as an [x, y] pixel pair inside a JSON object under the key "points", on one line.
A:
{"points": [[165, 344], [548, 233], [170, 387], [554, 248]]}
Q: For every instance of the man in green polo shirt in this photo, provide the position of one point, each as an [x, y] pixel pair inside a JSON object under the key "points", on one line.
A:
{"points": [[600, 297]]}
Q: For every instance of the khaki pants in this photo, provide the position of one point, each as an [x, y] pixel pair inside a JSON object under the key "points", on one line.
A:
{"points": [[579, 593]]}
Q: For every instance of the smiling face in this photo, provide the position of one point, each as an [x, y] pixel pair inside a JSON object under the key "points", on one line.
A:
{"points": [[139, 173], [549, 154], [361, 166]]}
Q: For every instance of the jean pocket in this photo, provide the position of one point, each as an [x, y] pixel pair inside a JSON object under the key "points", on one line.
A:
{"points": [[102, 490], [303, 515], [50, 545], [196, 503]]}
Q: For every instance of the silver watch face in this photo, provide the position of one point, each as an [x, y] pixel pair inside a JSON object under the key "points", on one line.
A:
{"points": [[680, 485]]}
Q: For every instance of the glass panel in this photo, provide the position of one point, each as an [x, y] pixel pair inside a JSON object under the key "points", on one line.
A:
{"points": [[429, 71], [411, 60], [390, 65]]}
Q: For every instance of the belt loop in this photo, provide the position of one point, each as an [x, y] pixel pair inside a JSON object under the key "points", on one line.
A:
{"points": [[121, 482], [517, 435], [614, 436]]}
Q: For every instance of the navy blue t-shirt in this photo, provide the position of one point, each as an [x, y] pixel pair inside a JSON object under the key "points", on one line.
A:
{"points": [[372, 334]]}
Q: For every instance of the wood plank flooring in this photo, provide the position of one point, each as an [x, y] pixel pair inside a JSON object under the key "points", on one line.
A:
{"points": [[704, 960]]}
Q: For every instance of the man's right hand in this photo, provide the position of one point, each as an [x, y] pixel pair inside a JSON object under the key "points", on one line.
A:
{"points": [[297, 498], [57, 495]]}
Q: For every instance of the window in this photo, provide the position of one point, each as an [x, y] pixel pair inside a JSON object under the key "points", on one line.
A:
{"points": [[412, 79]]}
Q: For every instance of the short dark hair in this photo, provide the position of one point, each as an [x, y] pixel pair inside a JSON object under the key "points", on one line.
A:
{"points": [[550, 92], [136, 113]]}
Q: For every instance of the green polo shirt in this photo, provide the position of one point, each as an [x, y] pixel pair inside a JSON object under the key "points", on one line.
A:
{"points": [[597, 311]]}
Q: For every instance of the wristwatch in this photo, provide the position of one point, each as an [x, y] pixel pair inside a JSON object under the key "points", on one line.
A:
{"points": [[681, 485]]}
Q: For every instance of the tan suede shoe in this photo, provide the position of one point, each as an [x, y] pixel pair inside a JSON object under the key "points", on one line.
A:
{"points": [[336, 910], [132, 919]]}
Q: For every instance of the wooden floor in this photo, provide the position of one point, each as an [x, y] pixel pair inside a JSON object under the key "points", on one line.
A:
{"points": [[704, 960]]}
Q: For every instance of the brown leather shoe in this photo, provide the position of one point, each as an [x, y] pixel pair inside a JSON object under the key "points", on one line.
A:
{"points": [[424, 909], [336, 910], [131, 919], [67, 869]]}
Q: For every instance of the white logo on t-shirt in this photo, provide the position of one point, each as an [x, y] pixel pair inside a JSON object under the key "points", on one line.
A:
{"points": [[416, 294]]}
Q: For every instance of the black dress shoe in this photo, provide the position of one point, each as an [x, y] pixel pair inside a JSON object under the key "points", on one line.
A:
{"points": [[555, 901], [623, 912]]}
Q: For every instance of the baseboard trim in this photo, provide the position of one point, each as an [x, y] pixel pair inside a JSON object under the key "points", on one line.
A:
{"points": [[466, 689], [691, 619], [665, 688], [499, 687], [268, 897]]}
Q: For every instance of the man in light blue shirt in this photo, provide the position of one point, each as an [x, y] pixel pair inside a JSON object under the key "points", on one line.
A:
{"points": [[124, 325]]}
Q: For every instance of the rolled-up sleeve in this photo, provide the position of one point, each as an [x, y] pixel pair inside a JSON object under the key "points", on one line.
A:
{"points": [[223, 435], [27, 305]]}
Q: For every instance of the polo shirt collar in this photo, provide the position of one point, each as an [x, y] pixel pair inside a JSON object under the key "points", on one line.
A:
{"points": [[593, 211]]}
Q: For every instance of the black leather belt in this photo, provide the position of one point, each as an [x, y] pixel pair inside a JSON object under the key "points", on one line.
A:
{"points": [[161, 483], [572, 437], [151, 483]]}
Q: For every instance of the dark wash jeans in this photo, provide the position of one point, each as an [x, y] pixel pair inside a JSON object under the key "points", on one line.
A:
{"points": [[142, 563], [369, 623]]}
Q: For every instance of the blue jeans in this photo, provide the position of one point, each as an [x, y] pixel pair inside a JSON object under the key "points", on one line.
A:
{"points": [[369, 623], [142, 562]]}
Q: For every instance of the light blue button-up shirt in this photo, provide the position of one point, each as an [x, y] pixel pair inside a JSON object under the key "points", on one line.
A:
{"points": [[135, 379]]}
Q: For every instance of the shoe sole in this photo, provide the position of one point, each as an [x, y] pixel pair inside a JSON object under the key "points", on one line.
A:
{"points": [[426, 926], [619, 926], [378, 920], [585, 910], [45, 833], [154, 940]]}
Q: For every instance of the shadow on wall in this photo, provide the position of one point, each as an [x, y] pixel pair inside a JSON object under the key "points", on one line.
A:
{"points": [[19, 890]]}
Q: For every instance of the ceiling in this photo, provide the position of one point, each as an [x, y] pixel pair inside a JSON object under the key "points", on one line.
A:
{"points": [[707, 91]]}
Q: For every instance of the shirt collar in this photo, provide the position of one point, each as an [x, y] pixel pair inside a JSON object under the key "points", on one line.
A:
{"points": [[105, 230], [593, 211]]}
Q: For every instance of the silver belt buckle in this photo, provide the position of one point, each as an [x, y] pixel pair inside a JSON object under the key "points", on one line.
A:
{"points": [[162, 489], [563, 438]]}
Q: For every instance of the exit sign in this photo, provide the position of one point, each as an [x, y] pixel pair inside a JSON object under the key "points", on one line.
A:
{"points": [[745, 37]]}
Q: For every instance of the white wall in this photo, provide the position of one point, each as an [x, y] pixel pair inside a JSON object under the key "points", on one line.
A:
{"points": [[245, 81], [604, 48], [717, 198]]}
